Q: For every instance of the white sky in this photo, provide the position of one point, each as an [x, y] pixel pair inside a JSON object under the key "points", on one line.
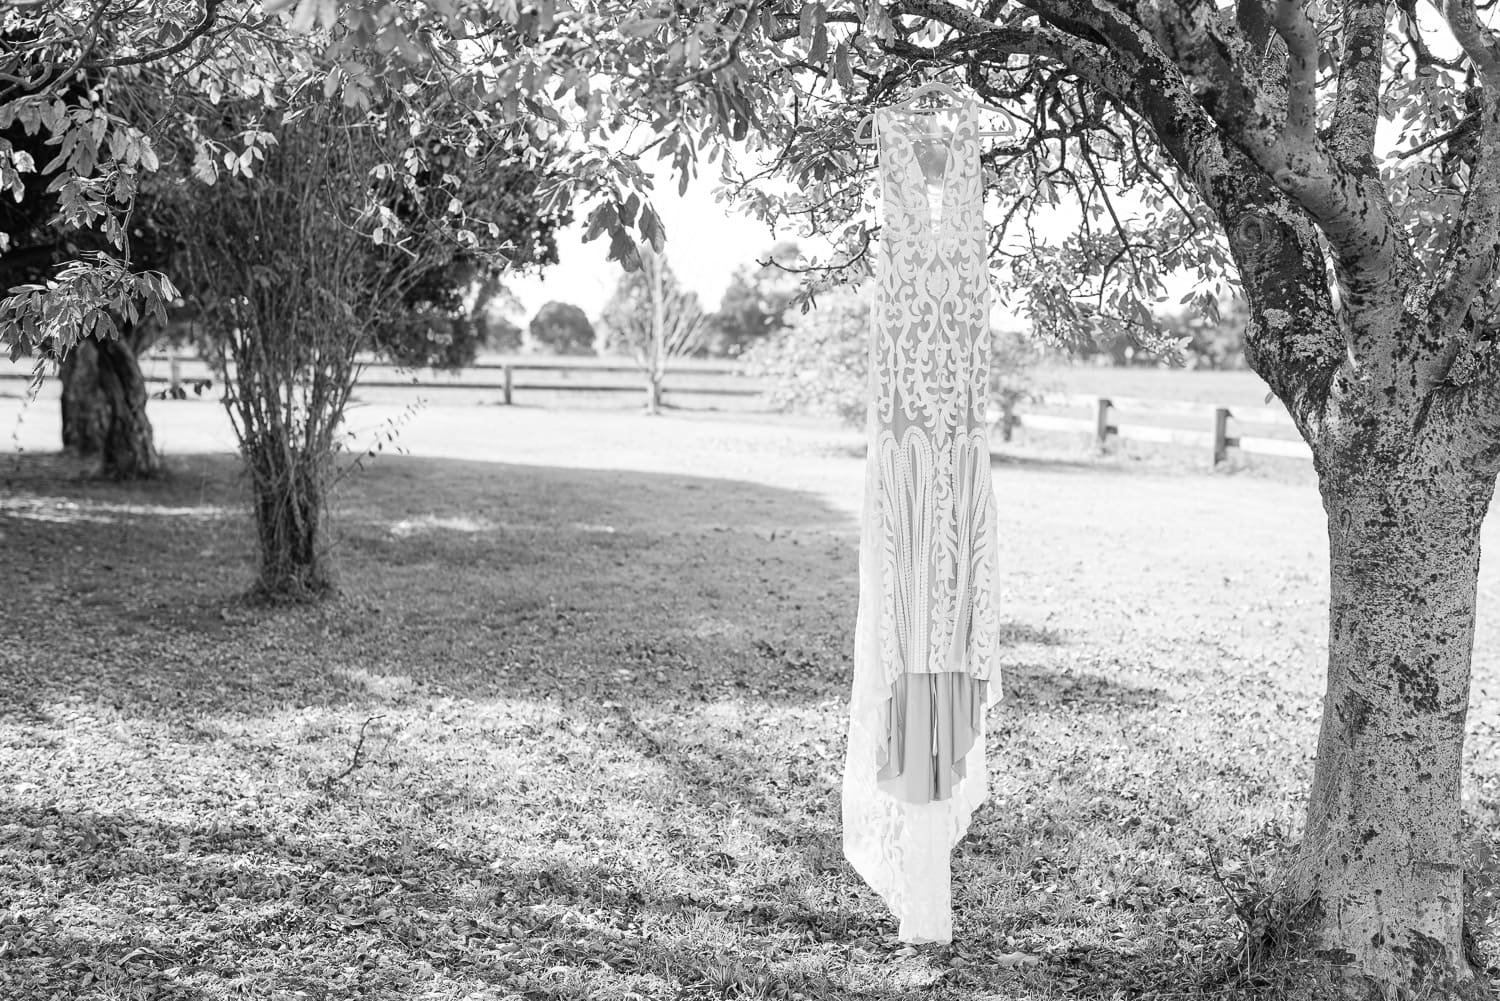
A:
{"points": [[704, 245]]}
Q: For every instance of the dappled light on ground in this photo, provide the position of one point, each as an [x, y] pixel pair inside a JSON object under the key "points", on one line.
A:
{"points": [[576, 732]]}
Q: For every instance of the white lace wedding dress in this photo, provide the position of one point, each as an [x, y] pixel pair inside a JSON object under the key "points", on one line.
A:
{"points": [[925, 641]]}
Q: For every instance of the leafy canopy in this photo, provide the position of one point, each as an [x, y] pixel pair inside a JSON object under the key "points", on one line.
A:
{"points": [[1101, 186]]}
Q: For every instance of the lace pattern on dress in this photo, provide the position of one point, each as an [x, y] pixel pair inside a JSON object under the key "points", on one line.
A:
{"points": [[928, 567]]}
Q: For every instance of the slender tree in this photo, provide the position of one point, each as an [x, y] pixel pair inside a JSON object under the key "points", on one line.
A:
{"points": [[345, 240], [654, 320]]}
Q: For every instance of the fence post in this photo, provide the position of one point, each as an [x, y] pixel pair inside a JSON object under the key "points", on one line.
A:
{"points": [[505, 372], [174, 380], [1102, 426], [1222, 441]]}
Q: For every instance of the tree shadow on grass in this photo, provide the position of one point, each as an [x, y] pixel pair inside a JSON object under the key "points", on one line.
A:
{"points": [[468, 579], [463, 578], [1040, 686], [236, 908], [355, 917]]}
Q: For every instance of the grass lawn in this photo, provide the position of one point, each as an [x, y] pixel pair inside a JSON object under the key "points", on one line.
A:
{"points": [[575, 728]]}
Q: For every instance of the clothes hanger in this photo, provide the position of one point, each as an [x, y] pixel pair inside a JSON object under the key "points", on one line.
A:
{"points": [[929, 88]]}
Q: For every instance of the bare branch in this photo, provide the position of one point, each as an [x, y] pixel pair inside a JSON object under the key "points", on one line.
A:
{"points": [[354, 761], [1469, 263], [1465, 127], [210, 15], [1357, 103], [1301, 37]]}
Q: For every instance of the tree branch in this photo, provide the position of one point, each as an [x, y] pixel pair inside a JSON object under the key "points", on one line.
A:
{"points": [[1479, 43], [1357, 101], [1301, 37], [1191, 82], [1469, 263], [210, 15]]}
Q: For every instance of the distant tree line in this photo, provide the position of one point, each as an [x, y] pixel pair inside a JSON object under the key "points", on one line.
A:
{"points": [[1212, 339], [752, 309]]}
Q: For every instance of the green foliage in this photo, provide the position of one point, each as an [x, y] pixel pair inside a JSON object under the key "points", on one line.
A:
{"points": [[1215, 340], [1014, 359], [496, 332], [754, 304], [727, 82], [644, 299], [1202, 335], [560, 328], [85, 298], [819, 363]]}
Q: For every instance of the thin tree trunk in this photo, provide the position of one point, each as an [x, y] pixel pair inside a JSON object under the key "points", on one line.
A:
{"points": [[653, 392], [104, 408], [1380, 869], [654, 363], [289, 492]]}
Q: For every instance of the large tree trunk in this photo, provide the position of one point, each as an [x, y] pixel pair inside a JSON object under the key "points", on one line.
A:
{"points": [[1380, 868], [85, 411], [104, 408], [289, 491]]}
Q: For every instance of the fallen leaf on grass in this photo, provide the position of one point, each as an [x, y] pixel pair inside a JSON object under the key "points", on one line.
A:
{"points": [[1016, 960]]}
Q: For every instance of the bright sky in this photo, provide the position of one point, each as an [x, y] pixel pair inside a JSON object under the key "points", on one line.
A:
{"points": [[704, 245]]}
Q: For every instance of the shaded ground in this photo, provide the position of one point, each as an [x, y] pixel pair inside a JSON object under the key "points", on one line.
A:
{"points": [[599, 663]]}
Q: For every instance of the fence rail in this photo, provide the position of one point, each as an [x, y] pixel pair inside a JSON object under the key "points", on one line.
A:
{"points": [[1213, 428], [1217, 438], [506, 377]]}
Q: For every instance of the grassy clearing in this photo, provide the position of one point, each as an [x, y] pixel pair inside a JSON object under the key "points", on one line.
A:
{"points": [[599, 663]]}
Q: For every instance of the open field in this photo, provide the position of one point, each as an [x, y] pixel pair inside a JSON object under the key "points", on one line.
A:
{"points": [[599, 663]]}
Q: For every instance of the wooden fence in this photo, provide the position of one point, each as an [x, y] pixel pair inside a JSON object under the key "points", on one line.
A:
{"points": [[177, 373], [1215, 429], [1129, 418]]}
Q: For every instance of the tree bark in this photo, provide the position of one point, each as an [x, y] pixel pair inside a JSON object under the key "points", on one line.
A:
{"points": [[85, 411], [1379, 874], [653, 393], [104, 408], [289, 491]]}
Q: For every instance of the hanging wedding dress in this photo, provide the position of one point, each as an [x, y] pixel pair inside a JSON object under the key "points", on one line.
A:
{"points": [[926, 637]]}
